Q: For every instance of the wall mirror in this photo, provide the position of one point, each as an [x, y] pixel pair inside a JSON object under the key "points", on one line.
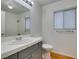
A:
{"points": [[15, 18]]}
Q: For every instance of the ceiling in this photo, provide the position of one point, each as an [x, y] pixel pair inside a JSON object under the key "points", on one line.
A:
{"points": [[45, 2], [17, 8]]}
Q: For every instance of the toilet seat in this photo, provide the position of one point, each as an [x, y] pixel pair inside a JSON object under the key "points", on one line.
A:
{"points": [[47, 47]]}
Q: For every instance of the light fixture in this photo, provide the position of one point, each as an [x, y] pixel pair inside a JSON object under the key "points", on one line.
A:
{"points": [[29, 0], [10, 6], [32, 2]]}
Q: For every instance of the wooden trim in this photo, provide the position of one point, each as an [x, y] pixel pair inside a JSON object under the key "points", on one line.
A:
{"points": [[59, 56]]}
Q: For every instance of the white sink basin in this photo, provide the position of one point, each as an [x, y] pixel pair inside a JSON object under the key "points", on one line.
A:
{"points": [[18, 42]]}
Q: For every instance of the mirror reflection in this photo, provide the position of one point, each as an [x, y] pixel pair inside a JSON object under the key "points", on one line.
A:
{"points": [[15, 19]]}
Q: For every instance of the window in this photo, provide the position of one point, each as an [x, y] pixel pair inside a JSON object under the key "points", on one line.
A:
{"points": [[58, 20], [27, 24], [65, 19], [69, 19]]}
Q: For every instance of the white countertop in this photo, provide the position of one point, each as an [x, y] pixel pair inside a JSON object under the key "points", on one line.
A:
{"points": [[8, 49]]}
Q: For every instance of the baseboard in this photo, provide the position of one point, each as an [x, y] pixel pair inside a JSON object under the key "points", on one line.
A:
{"points": [[55, 55]]}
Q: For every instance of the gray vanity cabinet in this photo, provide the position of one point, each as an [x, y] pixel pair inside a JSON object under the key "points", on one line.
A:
{"points": [[33, 52], [14, 56], [28, 57], [37, 54]]}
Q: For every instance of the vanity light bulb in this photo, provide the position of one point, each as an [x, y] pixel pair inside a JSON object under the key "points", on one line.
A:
{"points": [[32, 2], [10, 7], [29, 0]]}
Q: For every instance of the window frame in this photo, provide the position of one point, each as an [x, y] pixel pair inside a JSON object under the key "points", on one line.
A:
{"points": [[63, 19], [25, 23]]}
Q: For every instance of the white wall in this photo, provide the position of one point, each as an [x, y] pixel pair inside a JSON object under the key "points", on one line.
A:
{"points": [[10, 24], [64, 43], [36, 17], [21, 24]]}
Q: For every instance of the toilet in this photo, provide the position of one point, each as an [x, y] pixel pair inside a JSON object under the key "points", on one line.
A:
{"points": [[47, 49]]}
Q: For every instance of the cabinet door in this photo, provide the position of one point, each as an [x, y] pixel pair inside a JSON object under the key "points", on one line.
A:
{"points": [[28, 57], [14, 56], [37, 54], [27, 51]]}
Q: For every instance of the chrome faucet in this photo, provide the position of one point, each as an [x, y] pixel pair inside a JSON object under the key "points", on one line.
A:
{"points": [[19, 38]]}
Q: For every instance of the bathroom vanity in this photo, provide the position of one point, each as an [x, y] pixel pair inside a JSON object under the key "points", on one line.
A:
{"points": [[30, 50], [33, 52]]}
